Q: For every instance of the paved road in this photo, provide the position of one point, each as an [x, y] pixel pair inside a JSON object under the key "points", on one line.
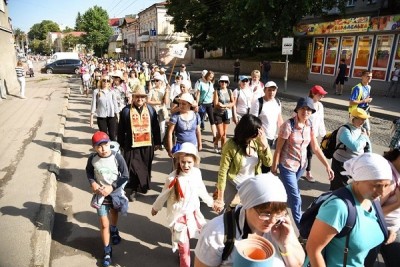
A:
{"points": [[146, 240]]}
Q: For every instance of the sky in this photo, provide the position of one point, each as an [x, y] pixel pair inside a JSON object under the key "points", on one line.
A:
{"points": [[25, 13]]}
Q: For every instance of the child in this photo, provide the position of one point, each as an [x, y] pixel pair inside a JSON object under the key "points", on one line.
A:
{"points": [[182, 190], [108, 174]]}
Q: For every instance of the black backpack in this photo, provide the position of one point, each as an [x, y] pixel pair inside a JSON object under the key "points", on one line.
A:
{"points": [[328, 142], [261, 103]]}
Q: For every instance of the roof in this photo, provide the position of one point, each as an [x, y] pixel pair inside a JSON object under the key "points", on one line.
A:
{"points": [[75, 34], [114, 22]]}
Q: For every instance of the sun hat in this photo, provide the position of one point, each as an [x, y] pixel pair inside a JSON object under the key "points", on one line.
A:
{"points": [[203, 73], [359, 113], [138, 90], [100, 137], [158, 76], [188, 148], [270, 84], [261, 189], [118, 74], [368, 166], [243, 77], [317, 89], [186, 83], [187, 97], [305, 102], [224, 78], [145, 64]]}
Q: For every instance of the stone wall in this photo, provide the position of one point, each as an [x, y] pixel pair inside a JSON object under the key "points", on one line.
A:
{"points": [[296, 71]]}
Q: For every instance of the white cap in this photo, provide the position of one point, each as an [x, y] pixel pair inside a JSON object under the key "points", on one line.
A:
{"points": [[270, 84]]}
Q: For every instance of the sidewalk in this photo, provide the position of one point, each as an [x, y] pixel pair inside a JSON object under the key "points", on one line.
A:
{"points": [[382, 107]]}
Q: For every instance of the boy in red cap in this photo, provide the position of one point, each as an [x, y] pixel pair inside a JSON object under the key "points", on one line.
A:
{"points": [[108, 174]]}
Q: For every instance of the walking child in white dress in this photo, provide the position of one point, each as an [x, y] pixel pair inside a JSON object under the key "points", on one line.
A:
{"points": [[181, 191]]}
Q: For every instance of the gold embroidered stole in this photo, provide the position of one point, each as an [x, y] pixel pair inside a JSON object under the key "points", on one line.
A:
{"points": [[141, 127]]}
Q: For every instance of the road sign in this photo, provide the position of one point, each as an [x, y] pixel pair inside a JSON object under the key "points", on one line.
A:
{"points": [[287, 46]]}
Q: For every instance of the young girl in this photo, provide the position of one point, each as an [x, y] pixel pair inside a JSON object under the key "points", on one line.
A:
{"points": [[182, 190]]}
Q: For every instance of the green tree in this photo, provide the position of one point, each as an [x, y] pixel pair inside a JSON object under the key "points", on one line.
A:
{"points": [[40, 30], [68, 29], [78, 22], [20, 38], [69, 42], [245, 24], [40, 47], [98, 31]]}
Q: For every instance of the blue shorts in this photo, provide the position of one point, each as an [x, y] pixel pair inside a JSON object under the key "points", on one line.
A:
{"points": [[104, 210]]}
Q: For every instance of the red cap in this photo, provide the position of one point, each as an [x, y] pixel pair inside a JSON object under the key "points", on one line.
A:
{"points": [[317, 89], [100, 137]]}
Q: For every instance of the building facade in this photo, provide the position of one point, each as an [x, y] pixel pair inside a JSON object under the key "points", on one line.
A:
{"points": [[368, 38], [157, 36], [8, 54], [130, 35]]}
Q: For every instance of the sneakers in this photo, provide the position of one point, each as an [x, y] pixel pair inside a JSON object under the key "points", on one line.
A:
{"points": [[310, 178], [107, 256], [115, 238], [216, 150]]}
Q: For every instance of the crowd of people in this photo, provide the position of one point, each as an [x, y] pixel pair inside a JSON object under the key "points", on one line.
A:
{"points": [[136, 105]]}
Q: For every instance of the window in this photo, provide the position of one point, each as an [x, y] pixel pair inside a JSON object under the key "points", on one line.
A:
{"points": [[318, 52], [363, 53], [351, 3], [331, 53], [346, 51], [381, 56]]}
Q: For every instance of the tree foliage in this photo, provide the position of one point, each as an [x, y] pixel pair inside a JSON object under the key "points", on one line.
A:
{"points": [[95, 23], [40, 30], [78, 22], [40, 47], [242, 24], [69, 42]]}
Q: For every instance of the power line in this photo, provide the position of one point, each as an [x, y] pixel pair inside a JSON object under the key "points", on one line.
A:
{"points": [[122, 10], [116, 5]]}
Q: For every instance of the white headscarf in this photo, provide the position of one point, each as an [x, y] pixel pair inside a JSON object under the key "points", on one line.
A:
{"points": [[261, 189], [367, 167]]}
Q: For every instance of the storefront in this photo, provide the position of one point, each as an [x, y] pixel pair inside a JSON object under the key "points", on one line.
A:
{"points": [[365, 43]]}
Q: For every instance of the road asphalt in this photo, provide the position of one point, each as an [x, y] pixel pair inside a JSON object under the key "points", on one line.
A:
{"points": [[50, 129]]}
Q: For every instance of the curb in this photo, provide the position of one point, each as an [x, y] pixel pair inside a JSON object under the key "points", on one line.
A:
{"points": [[45, 220]]}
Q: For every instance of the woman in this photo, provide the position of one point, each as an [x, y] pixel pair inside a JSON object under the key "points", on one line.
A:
{"points": [[242, 157], [204, 96], [256, 86], [21, 79], [105, 107], [185, 124], [158, 96], [120, 89], [371, 175], [352, 140], [291, 149], [175, 87], [243, 99], [223, 103], [263, 212], [318, 124], [184, 87]]}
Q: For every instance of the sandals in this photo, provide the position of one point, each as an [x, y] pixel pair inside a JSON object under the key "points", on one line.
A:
{"points": [[309, 178]]}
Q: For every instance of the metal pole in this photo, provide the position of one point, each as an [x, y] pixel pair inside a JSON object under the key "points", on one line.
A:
{"points": [[286, 72]]}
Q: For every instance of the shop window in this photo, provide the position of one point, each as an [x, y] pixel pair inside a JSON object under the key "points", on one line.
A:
{"points": [[396, 57], [346, 51], [332, 45], [351, 3], [381, 56], [318, 52], [362, 55]]}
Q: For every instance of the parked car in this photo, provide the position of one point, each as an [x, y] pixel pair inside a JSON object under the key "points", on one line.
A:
{"points": [[64, 66]]}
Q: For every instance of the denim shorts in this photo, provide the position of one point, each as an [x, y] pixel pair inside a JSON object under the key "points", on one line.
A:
{"points": [[104, 210]]}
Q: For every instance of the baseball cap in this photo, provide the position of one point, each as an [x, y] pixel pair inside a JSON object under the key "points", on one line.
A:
{"points": [[359, 113], [317, 89], [305, 102], [271, 84], [100, 137], [224, 78], [243, 77]]}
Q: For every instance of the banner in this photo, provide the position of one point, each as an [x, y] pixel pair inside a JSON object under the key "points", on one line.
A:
{"points": [[178, 51]]}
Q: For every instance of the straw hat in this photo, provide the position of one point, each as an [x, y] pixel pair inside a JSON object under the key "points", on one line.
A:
{"points": [[138, 90]]}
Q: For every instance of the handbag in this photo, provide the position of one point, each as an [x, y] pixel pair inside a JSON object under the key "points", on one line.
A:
{"points": [[179, 233], [202, 109], [227, 114], [97, 201]]}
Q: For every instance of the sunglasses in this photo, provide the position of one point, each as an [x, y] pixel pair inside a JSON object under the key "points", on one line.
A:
{"points": [[104, 80], [245, 80], [223, 81]]}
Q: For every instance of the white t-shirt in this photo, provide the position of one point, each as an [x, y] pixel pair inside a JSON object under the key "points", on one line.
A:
{"points": [[269, 116], [247, 169], [396, 75], [258, 90], [244, 98]]}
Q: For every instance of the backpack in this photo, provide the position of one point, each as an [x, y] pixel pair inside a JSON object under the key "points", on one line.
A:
{"points": [[261, 103], [231, 218], [308, 217], [328, 142]]}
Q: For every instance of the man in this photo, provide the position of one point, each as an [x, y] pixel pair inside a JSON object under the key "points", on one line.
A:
{"points": [[265, 68], [30, 67], [139, 136], [269, 110], [394, 81], [236, 70], [360, 97], [341, 77], [184, 73]]}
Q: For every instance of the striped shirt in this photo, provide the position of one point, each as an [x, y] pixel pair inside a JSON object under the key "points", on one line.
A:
{"points": [[294, 151], [20, 71]]}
